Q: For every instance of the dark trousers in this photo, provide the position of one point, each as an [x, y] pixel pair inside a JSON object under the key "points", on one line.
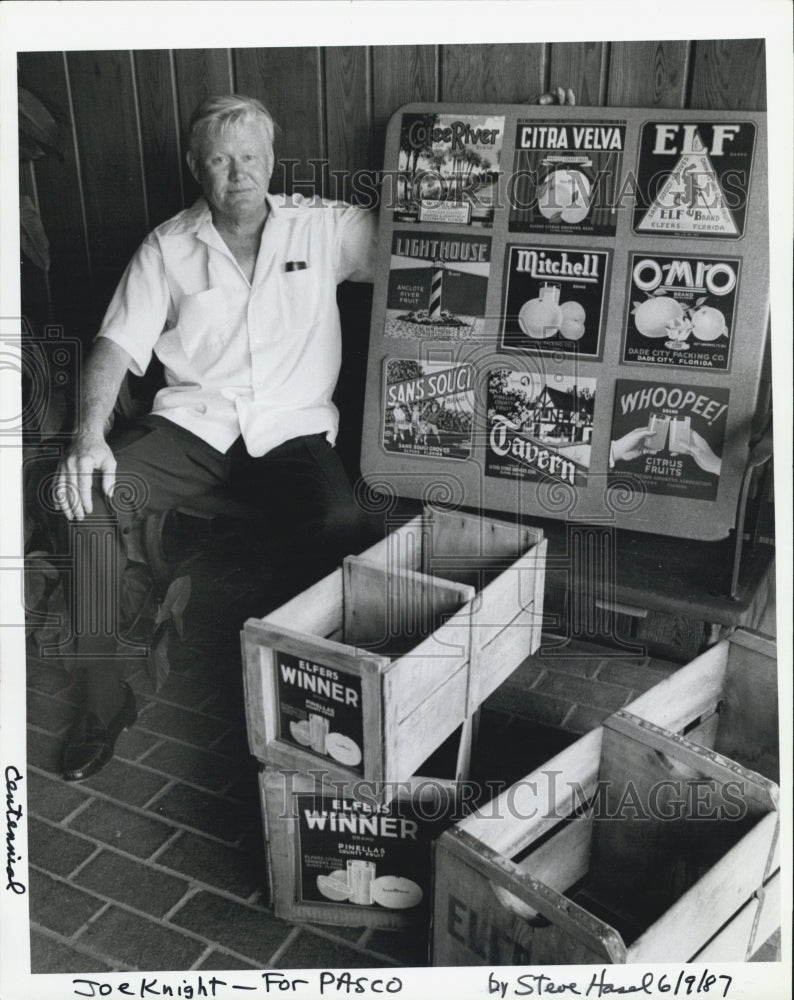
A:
{"points": [[312, 519]]}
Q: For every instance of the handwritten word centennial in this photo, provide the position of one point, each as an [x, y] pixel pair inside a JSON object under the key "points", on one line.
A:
{"points": [[13, 820]]}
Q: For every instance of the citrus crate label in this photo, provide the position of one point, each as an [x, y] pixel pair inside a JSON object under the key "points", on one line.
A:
{"points": [[428, 408], [693, 178], [437, 286], [667, 438], [320, 709], [540, 426], [366, 855], [566, 177], [554, 300], [681, 311], [448, 168]]}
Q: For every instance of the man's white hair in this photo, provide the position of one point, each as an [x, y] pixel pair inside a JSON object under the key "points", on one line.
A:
{"points": [[216, 114]]}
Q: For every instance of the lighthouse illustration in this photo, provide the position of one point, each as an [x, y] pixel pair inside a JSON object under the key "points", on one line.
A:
{"points": [[436, 292]]}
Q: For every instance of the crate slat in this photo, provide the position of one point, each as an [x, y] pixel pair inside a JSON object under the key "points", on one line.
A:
{"points": [[731, 943], [711, 902], [769, 913]]}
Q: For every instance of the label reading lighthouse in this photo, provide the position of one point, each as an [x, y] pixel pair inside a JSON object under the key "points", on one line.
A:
{"points": [[437, 286]]}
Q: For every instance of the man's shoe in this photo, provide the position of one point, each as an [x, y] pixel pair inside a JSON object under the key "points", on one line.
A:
{"points": [[90, 744]]}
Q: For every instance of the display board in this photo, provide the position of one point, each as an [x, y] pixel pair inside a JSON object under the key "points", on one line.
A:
{"points": [[570, 312]]}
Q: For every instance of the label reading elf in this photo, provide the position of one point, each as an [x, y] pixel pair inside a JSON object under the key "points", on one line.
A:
{"points": [[693, 178], [668, 438], [320, 709], [364, 855], [681, 311]]}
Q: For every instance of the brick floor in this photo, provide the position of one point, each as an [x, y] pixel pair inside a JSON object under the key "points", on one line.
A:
{"points": [[158, 862]]}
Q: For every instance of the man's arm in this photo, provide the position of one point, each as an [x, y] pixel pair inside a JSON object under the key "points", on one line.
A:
{"points": [[101, 380]]}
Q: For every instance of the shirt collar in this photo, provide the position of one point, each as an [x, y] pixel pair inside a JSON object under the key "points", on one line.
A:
{"points": [[199, 217]]}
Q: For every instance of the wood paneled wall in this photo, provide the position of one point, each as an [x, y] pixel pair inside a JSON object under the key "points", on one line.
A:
{"points": [[125, 114]]}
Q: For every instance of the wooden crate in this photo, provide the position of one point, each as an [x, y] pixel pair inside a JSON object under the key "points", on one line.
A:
{"points": [[507, 878], [505, 563], [313, 832], [363, 675]]}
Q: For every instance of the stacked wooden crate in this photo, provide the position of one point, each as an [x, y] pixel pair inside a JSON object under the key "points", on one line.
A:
{"points": [[352, 686], [638, 843]]}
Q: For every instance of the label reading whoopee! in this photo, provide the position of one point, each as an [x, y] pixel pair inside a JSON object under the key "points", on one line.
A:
{"points": [[320, 709], [668, 438], [681, 311]]}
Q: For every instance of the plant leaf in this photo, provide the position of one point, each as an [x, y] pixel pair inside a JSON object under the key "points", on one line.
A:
{"points": [[34, 588], [33, 239], [158, 663], [30, 150], [174, 604], [37, 124]]}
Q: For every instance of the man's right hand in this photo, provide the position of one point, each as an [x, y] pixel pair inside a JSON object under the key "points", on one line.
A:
{"points": [[73, 486]]}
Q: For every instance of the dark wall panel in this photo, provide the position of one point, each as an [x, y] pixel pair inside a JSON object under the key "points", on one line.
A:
{"points": [[485, 73], [583, 66], [648, 74], [287, 81], [106, 124], [348, 115], [160, 136], [729, 74], [400, 74]]}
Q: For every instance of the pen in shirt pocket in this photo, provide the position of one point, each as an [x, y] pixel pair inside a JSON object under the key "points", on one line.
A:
{"points": [[295, 265]]}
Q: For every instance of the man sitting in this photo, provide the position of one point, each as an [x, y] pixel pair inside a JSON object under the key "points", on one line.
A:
{"points": [[237, 298]]}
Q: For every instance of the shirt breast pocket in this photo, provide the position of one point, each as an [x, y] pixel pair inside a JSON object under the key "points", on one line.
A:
{"points": [[300, 294], [203, 325]]}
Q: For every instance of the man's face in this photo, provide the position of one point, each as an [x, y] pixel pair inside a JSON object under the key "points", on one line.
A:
{"points": [[234, 168]]}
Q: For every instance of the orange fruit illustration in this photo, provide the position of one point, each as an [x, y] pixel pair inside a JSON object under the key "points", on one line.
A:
{"points": [[708, 323], [572, 329], [539, 319], [652, 315]]}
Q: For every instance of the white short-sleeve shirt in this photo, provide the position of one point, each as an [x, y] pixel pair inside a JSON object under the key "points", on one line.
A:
{"points": [[258, 359]]}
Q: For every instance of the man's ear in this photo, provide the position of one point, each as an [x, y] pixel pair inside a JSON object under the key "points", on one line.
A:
{"points": [[193, 165]]}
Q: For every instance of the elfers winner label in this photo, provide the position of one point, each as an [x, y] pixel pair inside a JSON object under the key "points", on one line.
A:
{"points": [[365, 855], [320, 709]]}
